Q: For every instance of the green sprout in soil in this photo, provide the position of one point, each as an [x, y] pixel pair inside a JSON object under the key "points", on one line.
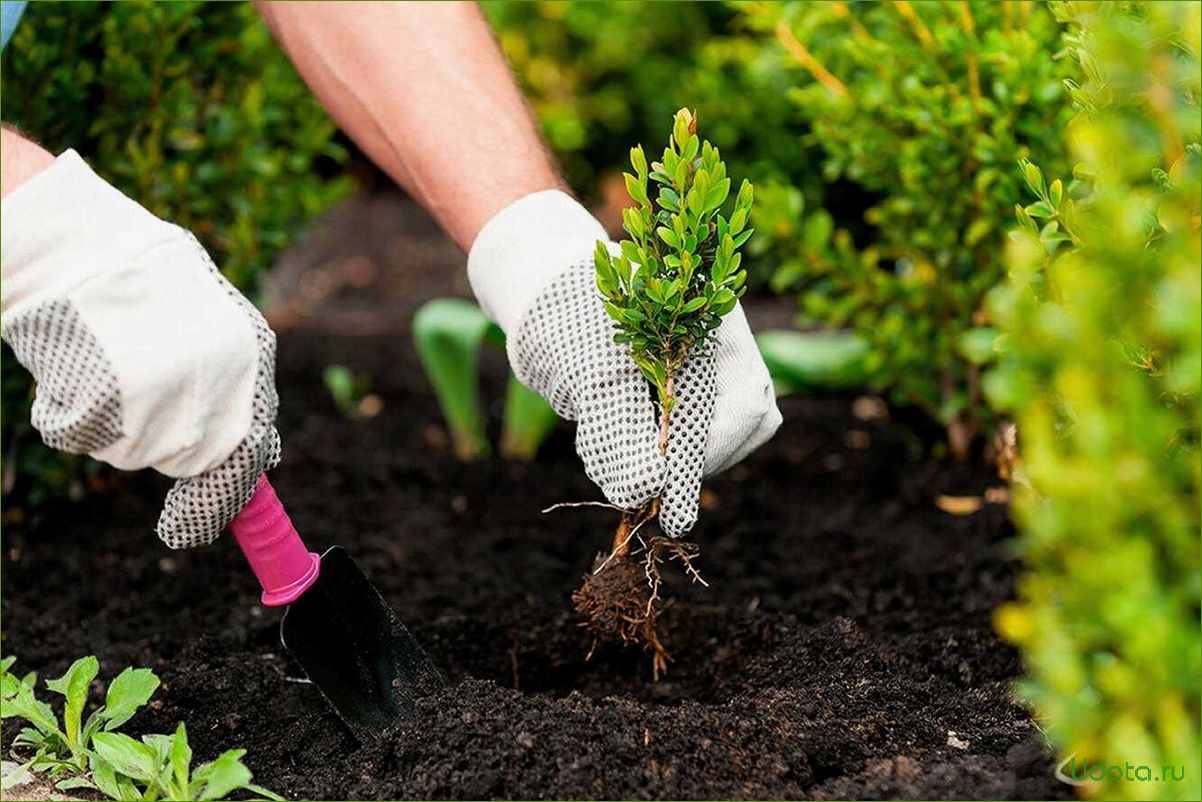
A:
{"points": [[677, 275], [79, 753], [351, 392], [449, 335]]}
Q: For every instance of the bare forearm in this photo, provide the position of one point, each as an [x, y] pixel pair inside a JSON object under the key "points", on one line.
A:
{"points": [[424, 90], [20, 160]]}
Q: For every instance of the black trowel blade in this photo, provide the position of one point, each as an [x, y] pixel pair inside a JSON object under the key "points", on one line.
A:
{"points": [[355, 649]]}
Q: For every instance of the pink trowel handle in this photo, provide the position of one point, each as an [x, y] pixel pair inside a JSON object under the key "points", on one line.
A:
{"points": [[284, 567]]}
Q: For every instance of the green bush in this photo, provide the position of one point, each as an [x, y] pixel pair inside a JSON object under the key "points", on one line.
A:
{"points": [[1101, 369], [600, 75], [192, 110], [918, 112]]}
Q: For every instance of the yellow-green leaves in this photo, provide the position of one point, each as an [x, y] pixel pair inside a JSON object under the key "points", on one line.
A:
{"points": [[680, 270], [1099, 365]]}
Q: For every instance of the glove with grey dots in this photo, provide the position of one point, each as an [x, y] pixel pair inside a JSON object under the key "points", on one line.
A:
{"points": [[143, 354], [531, 269]]}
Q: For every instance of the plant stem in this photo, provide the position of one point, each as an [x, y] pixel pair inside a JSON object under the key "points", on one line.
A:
{"points": [[666, 402]]}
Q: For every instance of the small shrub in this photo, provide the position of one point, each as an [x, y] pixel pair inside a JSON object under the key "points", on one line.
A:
{"points": [[676, 277], [918, 112], [192, 110], [1102, 369]]}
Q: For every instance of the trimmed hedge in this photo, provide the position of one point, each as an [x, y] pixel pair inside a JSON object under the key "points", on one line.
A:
{"points": [[1102, 369]]}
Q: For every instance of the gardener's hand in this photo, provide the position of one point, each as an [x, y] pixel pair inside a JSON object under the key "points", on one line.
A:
{"points": [[531, 269], [144, 355]]}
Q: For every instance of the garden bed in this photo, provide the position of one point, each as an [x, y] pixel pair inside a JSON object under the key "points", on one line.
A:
{"points": [[843, 648]]}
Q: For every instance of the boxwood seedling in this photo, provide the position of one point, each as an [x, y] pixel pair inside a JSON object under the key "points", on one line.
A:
{"points": [[89, 753], [677, 274]]}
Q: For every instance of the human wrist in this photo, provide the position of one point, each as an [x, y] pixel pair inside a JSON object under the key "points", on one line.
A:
{"points": [[20, 161], [524, 247]]}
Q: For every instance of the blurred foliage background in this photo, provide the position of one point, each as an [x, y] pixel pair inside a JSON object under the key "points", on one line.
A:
{"points": [[1101, 370], [890, 143], [191, 109]]}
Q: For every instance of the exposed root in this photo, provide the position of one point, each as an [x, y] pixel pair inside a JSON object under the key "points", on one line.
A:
{"points": [[565, 504], [620, 597]]}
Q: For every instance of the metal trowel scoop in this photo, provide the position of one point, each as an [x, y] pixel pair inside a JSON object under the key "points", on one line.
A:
{"points": [[340, 629]]}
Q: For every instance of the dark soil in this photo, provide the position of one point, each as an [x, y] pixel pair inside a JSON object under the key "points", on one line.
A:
{"points": [[843, 648]]}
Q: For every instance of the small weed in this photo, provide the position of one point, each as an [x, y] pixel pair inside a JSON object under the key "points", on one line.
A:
{"points": [[75, 752], [449, 334], [351, 392]]}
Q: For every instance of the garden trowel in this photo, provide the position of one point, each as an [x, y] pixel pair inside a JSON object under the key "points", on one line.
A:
{"points": [[340, 629]]}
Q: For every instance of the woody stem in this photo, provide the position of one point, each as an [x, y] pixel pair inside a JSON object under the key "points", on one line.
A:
{"points": [[666, 400]]}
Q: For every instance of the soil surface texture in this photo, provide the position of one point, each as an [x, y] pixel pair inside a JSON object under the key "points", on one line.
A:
{"points": [[843, 647]]}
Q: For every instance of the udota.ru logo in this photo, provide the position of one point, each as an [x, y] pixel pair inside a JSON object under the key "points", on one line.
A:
{"points": [[1075, 771]]}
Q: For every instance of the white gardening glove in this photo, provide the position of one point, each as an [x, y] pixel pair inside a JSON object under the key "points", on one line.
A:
{"points": [[144, 355], [531, 269]]}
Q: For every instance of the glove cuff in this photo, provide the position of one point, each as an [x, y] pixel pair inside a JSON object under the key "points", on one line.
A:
{"points": [[524, 247], [65, 225]]}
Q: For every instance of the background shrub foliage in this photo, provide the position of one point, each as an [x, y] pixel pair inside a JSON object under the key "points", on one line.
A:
{"points": [[882, 138], [1101, 368], [194, 112], [922, 110]]}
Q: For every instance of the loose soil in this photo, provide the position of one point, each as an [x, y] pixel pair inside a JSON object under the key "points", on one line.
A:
{"points": [[843, 648]]}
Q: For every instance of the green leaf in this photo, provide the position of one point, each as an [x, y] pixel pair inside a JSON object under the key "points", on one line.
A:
{"points": [[74, 685], [224, 775], [632, 221], [1056, 192], [693, 305], [737, 220], [638, 160], [680, 127], [668, 236], [129, 691], [1033, 176], [131, 758], [636, 189], [800, 361], [107, 780], [745, 196], [977, 344], [449, 335], [717, 194], [181, 756]]}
